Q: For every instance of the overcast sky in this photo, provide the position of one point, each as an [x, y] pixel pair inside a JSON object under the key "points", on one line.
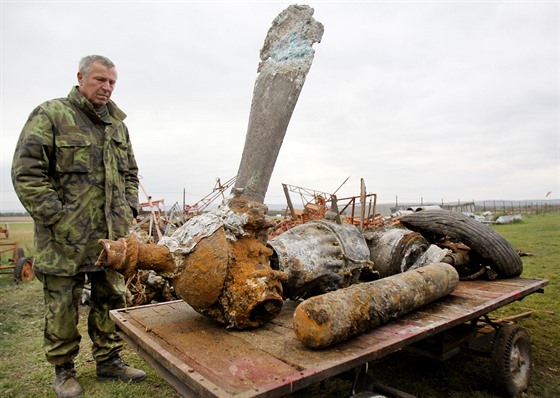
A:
{"points": [[424, 100]]}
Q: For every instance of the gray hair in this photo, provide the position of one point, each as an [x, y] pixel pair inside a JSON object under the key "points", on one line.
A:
{"points": [[86, 63]]}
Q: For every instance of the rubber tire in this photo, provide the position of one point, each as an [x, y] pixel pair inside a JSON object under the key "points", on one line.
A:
{"points": [[511, 360], [20, 253], [482, 239], [23, 270]]}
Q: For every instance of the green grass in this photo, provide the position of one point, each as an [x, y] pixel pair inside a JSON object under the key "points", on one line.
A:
{"points": [[539, 235], [25, 373]]}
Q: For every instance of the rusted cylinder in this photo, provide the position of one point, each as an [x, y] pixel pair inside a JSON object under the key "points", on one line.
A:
{"points": [[319, 257], [395, 250], [286, 57], [333, 317]]}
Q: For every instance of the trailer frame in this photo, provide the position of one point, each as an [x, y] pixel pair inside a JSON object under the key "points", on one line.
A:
{"points": [[201, 358]]}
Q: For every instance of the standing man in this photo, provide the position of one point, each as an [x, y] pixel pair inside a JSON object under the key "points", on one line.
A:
{"points": [[74, 172]]}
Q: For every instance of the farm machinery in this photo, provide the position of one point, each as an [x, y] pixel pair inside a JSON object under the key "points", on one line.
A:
{"points": [[18, 265]]}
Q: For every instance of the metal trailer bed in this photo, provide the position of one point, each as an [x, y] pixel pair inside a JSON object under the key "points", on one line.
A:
{"points": [[199, 357]]}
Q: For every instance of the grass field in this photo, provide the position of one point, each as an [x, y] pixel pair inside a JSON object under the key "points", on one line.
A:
{"points": [[25, 373]]}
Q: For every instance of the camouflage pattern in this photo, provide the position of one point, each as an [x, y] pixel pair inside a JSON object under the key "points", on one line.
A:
{"points": [[62, 298], [77, 177]]}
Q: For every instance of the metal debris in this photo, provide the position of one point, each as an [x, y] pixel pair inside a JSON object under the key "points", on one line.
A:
{"points": [[333, 317], [320, 256]]}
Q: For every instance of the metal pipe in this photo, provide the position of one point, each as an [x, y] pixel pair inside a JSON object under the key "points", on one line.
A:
{"points": [[289, 201]]}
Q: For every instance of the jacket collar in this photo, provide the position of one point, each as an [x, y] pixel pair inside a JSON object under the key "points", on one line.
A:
{"points": [[81, 102]]}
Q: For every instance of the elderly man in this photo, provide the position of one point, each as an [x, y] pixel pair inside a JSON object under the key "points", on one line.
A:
{"points": [[74, 171]]}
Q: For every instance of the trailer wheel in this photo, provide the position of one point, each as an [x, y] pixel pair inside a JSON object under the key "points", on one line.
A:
{"points": [[512, 360], [483, 240], [23, 270], [19, 253]]}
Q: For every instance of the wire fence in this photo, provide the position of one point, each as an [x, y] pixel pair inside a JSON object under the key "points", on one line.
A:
{"points": [[495, 206], [517, 207]]}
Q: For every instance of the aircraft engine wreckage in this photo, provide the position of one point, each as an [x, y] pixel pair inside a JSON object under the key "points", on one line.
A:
{"points": [[320, 256], [221, 264], [219, 261]]}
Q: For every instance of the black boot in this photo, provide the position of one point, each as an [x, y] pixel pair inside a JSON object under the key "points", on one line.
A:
{"points": [[116, 369], [65, 383]]}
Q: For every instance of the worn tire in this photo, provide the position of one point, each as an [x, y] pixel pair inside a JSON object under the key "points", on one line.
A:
{"points": [[19, 253], [23, 270], [511, 360], [481, 239]]}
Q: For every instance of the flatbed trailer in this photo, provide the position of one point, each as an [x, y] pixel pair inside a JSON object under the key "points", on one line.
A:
{"points": [[201, 358]]}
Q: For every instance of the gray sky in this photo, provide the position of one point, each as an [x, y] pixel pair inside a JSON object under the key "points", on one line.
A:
{"points": [[431, 100]]}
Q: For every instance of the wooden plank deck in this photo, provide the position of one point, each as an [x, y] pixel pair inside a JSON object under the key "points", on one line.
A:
{"points": [[201, 358]]}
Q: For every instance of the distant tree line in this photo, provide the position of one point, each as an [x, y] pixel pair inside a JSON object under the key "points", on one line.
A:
{"points": [[14, 214]]}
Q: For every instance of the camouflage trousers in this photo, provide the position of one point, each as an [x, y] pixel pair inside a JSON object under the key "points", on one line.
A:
{"points": [[62, 298]]}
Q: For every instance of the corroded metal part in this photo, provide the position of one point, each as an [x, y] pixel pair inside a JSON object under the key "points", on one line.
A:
{"points": [[127, 255], [218, 263], [242, 290], [202, 283], [396, 250], [320, 256], [333, 317], [286, 58]]}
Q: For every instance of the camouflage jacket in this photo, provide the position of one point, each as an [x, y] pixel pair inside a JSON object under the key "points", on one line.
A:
{"points": [[77, 177]]}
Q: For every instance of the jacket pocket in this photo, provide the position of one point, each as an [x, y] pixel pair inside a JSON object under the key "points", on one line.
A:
{"points": [[121, 153], [73, 154]]}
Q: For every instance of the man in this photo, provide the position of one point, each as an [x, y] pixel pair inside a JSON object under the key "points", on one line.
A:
{"points": [[74, 171]]}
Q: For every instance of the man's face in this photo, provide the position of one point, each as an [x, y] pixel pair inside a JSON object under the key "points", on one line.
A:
{"points": [[98, 85]]}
